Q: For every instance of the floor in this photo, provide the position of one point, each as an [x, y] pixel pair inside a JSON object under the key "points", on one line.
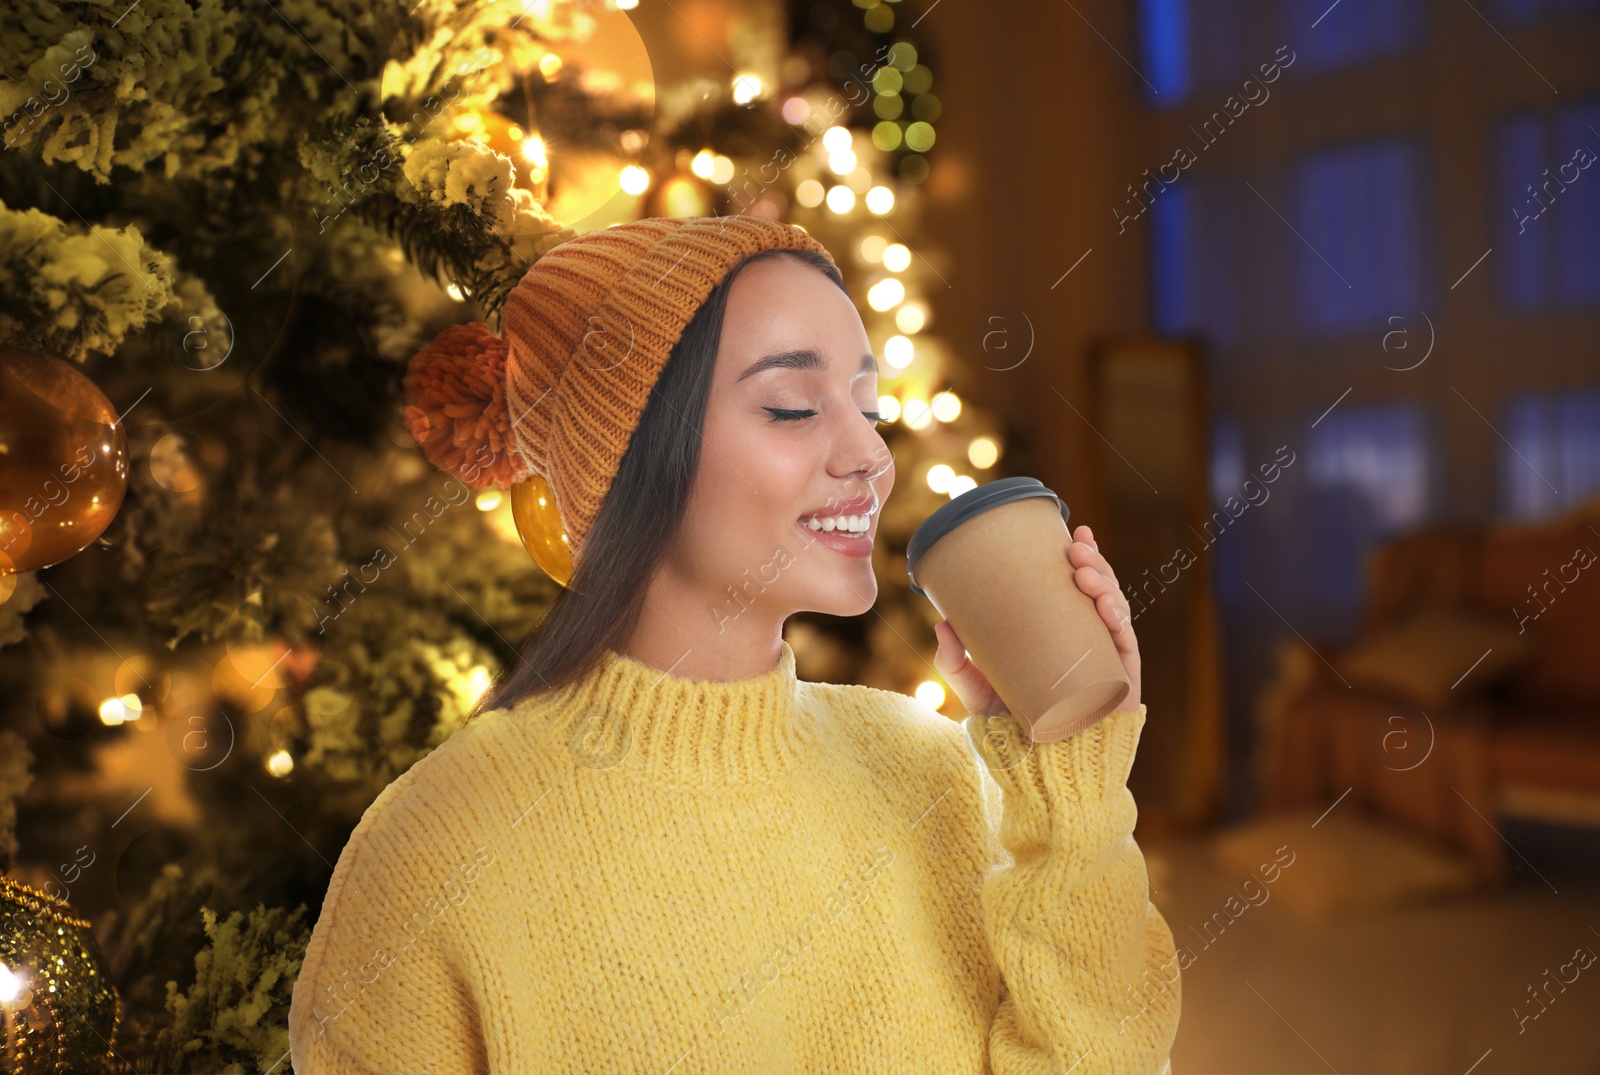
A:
{"points": [[1441, 989]]}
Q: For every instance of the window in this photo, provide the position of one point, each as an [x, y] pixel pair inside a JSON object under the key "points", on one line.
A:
{"points": [[1191, 45], [1365, 212], [1552, 460], [1547, 194], [1380, 451], [1227, 459], [1201, 260], [1521, 12], [1164, 42], [1354, 31], [1356, 223], [1229, 552], [1175, 306]]}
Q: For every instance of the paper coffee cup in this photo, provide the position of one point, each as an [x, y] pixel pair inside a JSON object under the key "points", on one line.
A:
{"points": [[994, 563]]}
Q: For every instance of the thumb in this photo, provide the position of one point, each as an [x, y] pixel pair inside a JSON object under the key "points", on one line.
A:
{"points": [[950, 655], [953, 663]]}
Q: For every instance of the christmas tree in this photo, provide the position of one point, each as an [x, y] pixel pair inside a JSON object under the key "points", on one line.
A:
{"points": [[235, 601]]}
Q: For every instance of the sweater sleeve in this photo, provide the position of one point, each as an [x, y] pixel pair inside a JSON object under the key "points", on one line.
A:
{"points": [[1090, 978], [380, 989]]}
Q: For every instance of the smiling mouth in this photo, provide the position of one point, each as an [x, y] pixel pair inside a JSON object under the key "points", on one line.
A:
{"points": [[856, 526]]}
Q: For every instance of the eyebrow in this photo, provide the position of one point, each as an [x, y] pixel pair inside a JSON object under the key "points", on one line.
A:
{"points": [[803, 358]]}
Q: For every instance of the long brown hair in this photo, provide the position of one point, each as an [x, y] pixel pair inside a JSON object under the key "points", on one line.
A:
{"points": [[641, 513]]}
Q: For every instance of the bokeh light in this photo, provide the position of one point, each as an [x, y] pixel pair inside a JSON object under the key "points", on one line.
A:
{"points": [[983, 452], [946, 406]]}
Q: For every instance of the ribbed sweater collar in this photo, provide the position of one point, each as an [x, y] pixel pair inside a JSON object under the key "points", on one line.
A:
{"points": [[652, 725]]}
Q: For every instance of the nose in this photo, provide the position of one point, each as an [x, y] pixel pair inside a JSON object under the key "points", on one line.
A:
{"points": [[861, 456]]}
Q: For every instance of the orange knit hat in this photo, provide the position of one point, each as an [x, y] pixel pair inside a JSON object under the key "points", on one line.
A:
{"points": [[585, 334]]}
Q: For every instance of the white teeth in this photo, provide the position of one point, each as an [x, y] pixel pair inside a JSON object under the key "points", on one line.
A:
{"points": [[855, 524]]}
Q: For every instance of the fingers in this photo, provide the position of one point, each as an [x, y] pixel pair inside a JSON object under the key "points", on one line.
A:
{"points": [[1093, 575], [1093, 583], [1113, 608], [1084, 552]]}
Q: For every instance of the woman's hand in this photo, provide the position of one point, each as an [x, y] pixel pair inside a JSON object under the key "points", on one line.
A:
{"points": [[1094, 577]]}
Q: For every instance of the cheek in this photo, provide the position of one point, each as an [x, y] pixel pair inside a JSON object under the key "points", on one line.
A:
{"points": [[751, 484]]}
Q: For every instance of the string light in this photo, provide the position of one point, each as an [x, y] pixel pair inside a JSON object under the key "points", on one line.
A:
{"points": [[919, 136], [886, 135], [746, 88], [918, 415], [961, 484], [983, 452], [946, 406], [898, 351], [911, 317], [841, 200], [634, 179], [886, 293], [10, 985], [682, 197], [837, 140], [534, 150], [115, 710]]}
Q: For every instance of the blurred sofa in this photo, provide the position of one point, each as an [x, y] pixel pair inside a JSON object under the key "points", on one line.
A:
{"points": [[1471, 693]]}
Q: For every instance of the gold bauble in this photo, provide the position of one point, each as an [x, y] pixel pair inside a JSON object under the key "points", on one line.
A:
{"points": [[63, 460], [533, 509], [63, 1012]]}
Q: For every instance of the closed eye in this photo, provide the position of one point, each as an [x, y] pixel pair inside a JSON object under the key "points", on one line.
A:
{"points": [[781, 415]]}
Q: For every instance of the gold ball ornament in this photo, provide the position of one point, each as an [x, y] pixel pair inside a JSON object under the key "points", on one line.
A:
{"points": [[63, 460], [533, 509], [60, 1011]]}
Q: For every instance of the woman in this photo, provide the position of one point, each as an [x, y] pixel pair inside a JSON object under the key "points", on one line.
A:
{"points": [[652, 848]]}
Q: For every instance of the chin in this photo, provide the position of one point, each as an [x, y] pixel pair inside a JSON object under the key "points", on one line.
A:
{"points": [[851, 593]]}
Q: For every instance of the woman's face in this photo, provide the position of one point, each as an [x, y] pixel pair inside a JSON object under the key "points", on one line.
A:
{"points": [[790, 435]]}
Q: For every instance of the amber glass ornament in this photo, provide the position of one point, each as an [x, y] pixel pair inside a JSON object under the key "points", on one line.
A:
{"points": [[63, 460], [533, 509]]}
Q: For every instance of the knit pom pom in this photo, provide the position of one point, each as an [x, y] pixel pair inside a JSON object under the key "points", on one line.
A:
{"points": [[455, 396]]}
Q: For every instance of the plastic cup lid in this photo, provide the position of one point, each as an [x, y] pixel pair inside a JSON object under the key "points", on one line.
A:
{"points": [[973, 502]]}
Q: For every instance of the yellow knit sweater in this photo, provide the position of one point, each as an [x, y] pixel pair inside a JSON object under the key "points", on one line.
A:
{"points": [[654, 874]]}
